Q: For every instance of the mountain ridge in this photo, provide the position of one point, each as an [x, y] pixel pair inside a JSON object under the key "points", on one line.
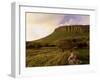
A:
{"points": [[62, 33]]}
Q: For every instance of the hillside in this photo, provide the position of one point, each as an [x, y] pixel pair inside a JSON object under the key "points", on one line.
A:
{"points": [[61, 33]]}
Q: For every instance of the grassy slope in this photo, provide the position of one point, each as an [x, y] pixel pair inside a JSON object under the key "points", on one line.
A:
{"points": [[47, 57], [59, 34], [52, 57]]}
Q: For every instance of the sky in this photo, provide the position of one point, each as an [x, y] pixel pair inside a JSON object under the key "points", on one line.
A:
{"points": [[40, 25]]}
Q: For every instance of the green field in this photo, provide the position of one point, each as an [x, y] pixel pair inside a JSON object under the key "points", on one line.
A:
{"points": [[46, 51], [52, 57]]}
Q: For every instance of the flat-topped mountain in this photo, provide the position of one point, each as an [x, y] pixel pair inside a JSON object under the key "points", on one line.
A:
{"points": [[63, 32]]}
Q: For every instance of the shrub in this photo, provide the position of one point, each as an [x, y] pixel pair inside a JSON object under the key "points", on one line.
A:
{"points": [[35, 45], [66, 45], [73, 43]]}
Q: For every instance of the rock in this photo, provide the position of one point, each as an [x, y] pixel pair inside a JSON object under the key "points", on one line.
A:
{"points": [[73, 59]]}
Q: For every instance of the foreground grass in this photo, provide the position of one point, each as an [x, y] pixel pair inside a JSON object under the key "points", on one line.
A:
{"points": [[52, 57]]}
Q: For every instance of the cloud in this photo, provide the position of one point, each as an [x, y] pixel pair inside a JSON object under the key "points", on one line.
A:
{"points": [[43, 18], [75, 19]]}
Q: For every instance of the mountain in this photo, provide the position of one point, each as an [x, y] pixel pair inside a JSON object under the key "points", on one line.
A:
{"points": [[66, 32]]}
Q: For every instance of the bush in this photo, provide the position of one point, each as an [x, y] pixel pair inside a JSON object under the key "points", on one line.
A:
{"points": [[73, 43], [66, 45], [35, 45]]}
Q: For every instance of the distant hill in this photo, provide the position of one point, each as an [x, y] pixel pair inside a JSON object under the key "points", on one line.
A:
{"points": [[65, 32]]}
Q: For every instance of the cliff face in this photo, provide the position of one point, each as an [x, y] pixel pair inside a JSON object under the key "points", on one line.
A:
{"points": [[74, 28]]}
